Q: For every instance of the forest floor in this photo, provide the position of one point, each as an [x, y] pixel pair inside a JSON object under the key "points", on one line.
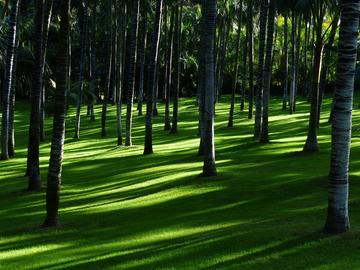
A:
{"points": [[122, 210]]}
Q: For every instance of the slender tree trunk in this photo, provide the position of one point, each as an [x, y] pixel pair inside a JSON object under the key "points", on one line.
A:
{"points": [[141, 58], [293, 63], [176, 83], [251, 60], [83, 13], [264, 136], [209, 17], [108, 75], [168, 82], [260, 73], [245, 55], [131, 72], [35, 102], [57, 143], [286, 64], [148, 149], [233, 92], [8, 78], [92, 61], [47, 21], [338, 215]]}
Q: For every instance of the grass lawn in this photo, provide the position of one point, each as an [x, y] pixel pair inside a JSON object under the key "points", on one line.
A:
{"points": [[121, 210]]}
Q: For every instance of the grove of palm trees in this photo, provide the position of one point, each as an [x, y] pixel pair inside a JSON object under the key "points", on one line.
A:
{"points": [[180, 134]]}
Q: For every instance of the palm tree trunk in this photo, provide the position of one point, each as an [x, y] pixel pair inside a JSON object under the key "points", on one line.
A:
{"points": [[108, 75], [57, 143], [260, 81], [132, 68], [286, 64], [176, 83], [142, 48], [47, 21], [8, 78], [168, 82], [35, 102], [264, 136], [251, 60], [83, 14], [209, 17], [233, 92], [148, 149], [293, 63], [337, 215], [243, 76]]}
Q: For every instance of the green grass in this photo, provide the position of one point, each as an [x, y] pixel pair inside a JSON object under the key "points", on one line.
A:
{"points": [[122, 210]]}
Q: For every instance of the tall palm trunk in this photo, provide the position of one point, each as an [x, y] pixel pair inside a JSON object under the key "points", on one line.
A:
{"points": [[120, 63], [293, 63], [233, 92], [176, 82], [264, 136], [11, 144], [208, 31], [251, 59], [134, 27], [92, 60], [243, 75], [260, 72], [83, 13], [168, 82], [47, 21], [57, 143], [108, 74], [148, 149], [337, 215], [141, 57], [8, 78], [35, 102], [286, 64]]}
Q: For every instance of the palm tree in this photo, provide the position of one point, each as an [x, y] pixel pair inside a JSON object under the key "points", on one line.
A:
{"points": [[176, 81], [168, 82], [8, 78], [260, 72], [148, 149], [47, 21], [286, 63], [251, 58], [108, 72], [134, 27], [337, 215], [35, 102], [83, 21], [208, 32], [238, 39], [57, 143], [264, 135], [141, 55]]}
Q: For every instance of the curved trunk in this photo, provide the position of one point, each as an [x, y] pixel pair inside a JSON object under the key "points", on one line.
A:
{"points": [[337, 215], [57, 143], [131, 72], [264, 136], [148, 149], [8, 78]]}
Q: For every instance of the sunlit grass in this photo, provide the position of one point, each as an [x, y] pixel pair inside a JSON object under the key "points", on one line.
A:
{"points": [[122, 210]]}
